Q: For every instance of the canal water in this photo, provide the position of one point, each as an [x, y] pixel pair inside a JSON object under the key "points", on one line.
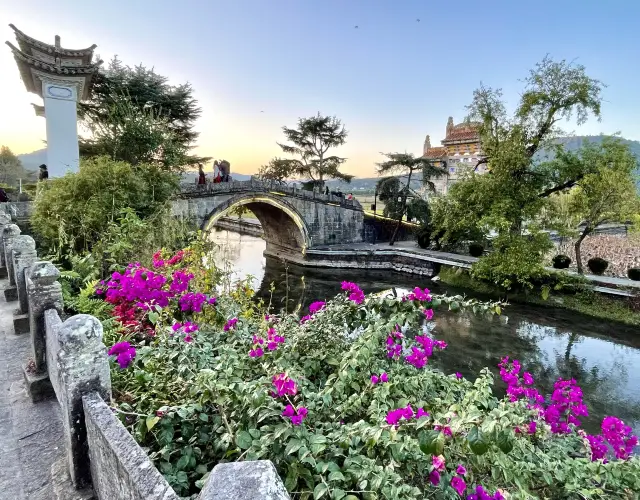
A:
{"points": [[603, 357]]}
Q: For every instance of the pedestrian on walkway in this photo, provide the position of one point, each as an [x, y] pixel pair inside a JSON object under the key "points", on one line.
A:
{"points": [[44, 173]]}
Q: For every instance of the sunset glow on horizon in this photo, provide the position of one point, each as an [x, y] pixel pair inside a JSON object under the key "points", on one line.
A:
{"points": [[257, 66]]}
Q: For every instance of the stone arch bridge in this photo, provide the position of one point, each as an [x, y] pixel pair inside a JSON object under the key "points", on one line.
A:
{"points": [[292, 219]]}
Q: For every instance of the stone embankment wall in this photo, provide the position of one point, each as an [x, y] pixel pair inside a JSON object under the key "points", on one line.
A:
{"points": [[622, 252], [69, 362]]}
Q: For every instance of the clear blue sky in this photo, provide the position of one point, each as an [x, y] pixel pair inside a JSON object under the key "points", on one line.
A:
{"points": [[392, 80]]}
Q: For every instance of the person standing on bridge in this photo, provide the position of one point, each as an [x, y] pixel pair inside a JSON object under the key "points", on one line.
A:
{"points": [[202, 180]]}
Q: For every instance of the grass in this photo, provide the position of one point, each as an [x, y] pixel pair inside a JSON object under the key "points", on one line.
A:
{"points": [[586, 302]]}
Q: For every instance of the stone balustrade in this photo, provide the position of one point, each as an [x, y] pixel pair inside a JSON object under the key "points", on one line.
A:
{"points": [[188, 190], [69, 362]]}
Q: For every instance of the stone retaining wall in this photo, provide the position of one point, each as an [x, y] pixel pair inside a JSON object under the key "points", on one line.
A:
{"points": [[69, 362]]}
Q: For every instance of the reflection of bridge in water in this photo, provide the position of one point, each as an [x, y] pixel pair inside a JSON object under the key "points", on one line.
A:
{"points": [[293, 220]]}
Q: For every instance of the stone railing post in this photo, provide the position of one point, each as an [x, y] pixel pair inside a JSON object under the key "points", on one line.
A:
{"points": [[9, 232], [24, 256], [256, 480], [43, 292], [79, 367], [5, 220]]}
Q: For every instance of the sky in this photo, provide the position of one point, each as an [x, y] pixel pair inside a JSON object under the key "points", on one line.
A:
{"points": [[259, 65]]}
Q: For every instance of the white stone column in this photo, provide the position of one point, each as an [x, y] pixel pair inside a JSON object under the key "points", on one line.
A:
{"points": [[60, 104]]}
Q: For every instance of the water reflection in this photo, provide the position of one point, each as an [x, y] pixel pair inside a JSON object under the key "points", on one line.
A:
{"points": [[550, 343]]}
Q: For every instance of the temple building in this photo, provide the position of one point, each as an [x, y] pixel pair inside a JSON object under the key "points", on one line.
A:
{"points": [[459, 153], [61, 77]]}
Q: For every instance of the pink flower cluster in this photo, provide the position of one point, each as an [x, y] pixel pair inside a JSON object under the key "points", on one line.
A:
{"points": [[158, 261], [124, 353], [193, 302], [457, 482], [394, 416], [316, 307], [382, 378], [419, 295], [187, 328], [355, 294], [230, 324], [284, 386], [272, 341], [394, 348], [615, 434], [481, 494], [517, 388], [566, 405], [297, 415], [420, 356]]}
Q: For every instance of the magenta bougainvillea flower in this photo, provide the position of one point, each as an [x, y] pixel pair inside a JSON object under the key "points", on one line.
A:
{"points": [[461, 470], [428, 313], [284, 385], [434, 477], [316, 307], [458, 484], [124, 353], [418, 295], [438, 463], [295, 415], [231, 324], [355, 294]]}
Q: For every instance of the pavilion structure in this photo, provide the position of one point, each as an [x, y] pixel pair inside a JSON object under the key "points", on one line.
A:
{"points": [[62, 77]]}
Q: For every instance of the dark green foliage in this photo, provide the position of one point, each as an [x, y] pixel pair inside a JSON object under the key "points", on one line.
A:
{"points": [[135, 115], [634, 273], [561, 261], [597, 265], [72, 213], [476, 249], [311, 142]]}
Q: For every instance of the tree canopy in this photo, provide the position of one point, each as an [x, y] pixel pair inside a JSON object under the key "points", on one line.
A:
{"points": [[519, 180], [311, 142], [135, 115], [11, 169]]}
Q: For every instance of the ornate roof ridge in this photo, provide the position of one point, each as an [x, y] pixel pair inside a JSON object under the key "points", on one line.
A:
{"points": [[52, 49], [61, 70]]}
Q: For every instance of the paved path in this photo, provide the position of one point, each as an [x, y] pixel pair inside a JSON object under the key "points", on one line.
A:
{"points": [[411, 247], [30, 434]]}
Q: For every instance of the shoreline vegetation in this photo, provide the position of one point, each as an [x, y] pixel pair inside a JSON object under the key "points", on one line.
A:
{"points": [[588, 302]]}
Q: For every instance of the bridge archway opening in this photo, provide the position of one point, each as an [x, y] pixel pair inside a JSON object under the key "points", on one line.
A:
{"points": [[282, 225]]}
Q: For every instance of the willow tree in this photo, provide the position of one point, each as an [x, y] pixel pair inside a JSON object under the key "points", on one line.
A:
{"points": [[513, 145], [311, 142], [405, 165]]}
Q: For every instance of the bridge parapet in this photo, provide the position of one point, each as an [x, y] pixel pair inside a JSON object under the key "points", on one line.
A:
{"points": [[189, 190]]}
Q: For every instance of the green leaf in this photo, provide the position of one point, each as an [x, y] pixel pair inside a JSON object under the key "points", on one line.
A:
{"points": [[153, 317], [151, 422], [477, 441], [505, 441], [336, 476], [439, 444], [338, 494], [204, 417], [243, 440], [427, 441], [293, 446], [320, 490]]}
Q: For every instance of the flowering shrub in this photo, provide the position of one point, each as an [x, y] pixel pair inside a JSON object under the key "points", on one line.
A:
{"points": [[347, 406]]}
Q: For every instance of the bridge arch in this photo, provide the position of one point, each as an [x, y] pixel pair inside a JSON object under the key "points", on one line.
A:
{"points": [[282, 224]]}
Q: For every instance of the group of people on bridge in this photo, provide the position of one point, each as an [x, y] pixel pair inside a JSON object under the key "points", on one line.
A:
{"points": [[221, 173]]}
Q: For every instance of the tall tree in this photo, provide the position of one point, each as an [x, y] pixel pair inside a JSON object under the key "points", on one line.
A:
{"points": [[277, 170], [311, 142], [605, 195], [121, 91], [405, 165], [520, 180]]}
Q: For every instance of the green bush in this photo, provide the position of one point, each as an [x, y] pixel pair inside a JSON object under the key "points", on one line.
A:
{"points": [[476, 250], [516, 262], [72, 212], [561, 261], [597, 265], [198, 402], [634, 273]]}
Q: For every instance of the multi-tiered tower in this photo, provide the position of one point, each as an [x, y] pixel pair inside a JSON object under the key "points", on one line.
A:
{"points": [[62, 77]]}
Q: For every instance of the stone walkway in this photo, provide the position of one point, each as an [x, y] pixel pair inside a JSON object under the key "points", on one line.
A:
{"points": [[30, 434]]}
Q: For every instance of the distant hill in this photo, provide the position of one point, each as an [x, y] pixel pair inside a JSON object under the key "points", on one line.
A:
{"points": [[31, 161]]}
